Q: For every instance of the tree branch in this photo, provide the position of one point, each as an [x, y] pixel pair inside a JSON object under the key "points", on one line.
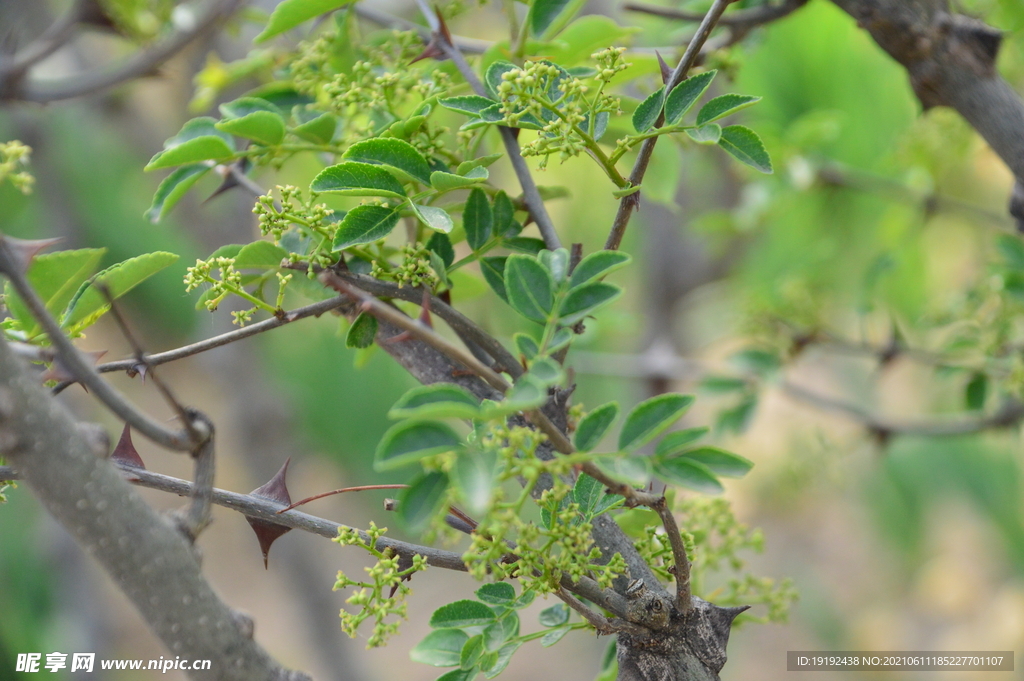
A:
{"points": [[951, 61], [73, 360], [147, 557], [743, 20], [156, 359], [531, 195], [141, 64], [630, 203]]}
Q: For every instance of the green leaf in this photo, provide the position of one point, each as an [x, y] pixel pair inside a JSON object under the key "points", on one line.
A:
{"points": [[492, 79], [477, 219], [440, 648], [471, 105], [635, 470], [587, 492], [362, 331], [497, 634], [471, 653], [262, 127], [1011, 247], [598, 264], [365, 224], [438, 400], [445, 182], [504, 214], [464, 613], [526, 346], [440, 243], [504, 656], [548, 17], [530, 288], [554, 636], [394, 153], [198, 140], [319, 130], [650, 418], [527, 393], [55, 277], [172, 188], [479, 162], [493, 269], [561, 338], [735, 420], [497, 593], [584, 300], [410, 441], [685, 94], [678, 440], [744, 144], [421, 500], [352, 178], [290, 13], [458, 675], [761, 362], [594, 425], [722, 384], [555, 616], [709, 133], [723, 106], [260, 255], [976, 391], [435, 218], [524, 244], [88, 303], [646, 114], [720, 461], [688, 473], [556, 262]]}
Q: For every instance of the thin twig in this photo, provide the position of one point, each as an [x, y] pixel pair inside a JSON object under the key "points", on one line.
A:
{"points": [[314, 310], [681, 562], [743, 20], [629, 203], [531, 195], [466, 45], [323, 495], [142, 63], [1010, 414], [52, 39], [73, 360]]}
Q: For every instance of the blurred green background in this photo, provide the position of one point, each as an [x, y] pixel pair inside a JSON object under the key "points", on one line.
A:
{"points": [[914, 544]]}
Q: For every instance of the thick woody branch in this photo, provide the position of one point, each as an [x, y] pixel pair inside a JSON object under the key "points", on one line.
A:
{"points": [[145, 555], [143, 63], [951, 61], [630, 203]]}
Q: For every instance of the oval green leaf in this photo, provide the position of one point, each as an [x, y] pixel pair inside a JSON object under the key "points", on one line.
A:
{"points": [[688, 473], [497, 593], [594, 425], [723, 106], [410, 441], [446, 182], [88, 303], [708, 133], [262, 127], [720, 461], [650, 418], [421, 501], [290, 13], [440, 648], [646, 114], [198, 140], [435, 218], [464, 613], [173, 187], [598, 264], [744, 144], [477, 219], [394, 153], [439, 400], [260, 255], [678, 440], [365, 224], [584, 300], [471, 105], [530, 288], [555, 616], [362, 331], [352, 178], [685, 94], [319, 130]]}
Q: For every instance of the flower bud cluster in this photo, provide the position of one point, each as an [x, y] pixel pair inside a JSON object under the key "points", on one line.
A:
{"points": [[414, 269], [14, 157]]}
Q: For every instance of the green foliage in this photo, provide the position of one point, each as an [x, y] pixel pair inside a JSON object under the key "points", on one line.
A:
{"points": [[386, 575], [14, 158]]}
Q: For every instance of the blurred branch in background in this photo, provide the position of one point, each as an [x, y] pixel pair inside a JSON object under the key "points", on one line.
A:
{"points": [[17, 84]]}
